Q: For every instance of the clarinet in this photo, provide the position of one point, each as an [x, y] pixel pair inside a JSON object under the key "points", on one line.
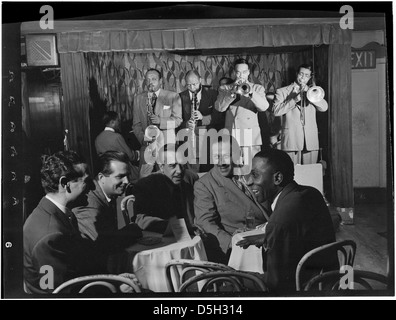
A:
{"points": [[193, 109]]}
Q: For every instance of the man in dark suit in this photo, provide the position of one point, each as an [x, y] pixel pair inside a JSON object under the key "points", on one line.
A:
{"points": [[97, 220], [54, 251], [110, 139], [166, 193], [222, 202], [199, 114], [300, 220]]}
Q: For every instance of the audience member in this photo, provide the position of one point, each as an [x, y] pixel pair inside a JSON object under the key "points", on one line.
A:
{"points": [[222, 201], [300, 221], [97, 220]]}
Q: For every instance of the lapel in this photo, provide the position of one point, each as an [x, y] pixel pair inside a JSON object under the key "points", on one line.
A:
{"points": [[98, 193], [204, 103], [186, 103], [144, 109], [160, 102]]}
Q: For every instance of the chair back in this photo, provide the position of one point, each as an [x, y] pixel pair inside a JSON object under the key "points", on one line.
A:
{"points": [[179, 270], [356, 280], [345, 251], [226, 281], [112, 283]]}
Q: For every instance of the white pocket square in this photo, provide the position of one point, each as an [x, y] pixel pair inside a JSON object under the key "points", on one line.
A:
{"points": [[166, 107], [210, 107]]}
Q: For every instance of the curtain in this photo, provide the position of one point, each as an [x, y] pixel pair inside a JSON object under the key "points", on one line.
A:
{"points": [[340, 128], [198, 37], [76, 101]]}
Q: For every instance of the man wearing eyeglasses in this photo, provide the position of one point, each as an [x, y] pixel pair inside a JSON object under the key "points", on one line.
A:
{"points": [[199, 114], [299, 134]]}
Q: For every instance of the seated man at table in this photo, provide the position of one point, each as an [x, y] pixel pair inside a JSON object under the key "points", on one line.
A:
{"points": [[166, 193], [222, 201], [300, 220], [98, 220]]}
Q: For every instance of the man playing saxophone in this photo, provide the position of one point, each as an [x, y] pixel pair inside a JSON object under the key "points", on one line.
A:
{"points": [[241, 101]]}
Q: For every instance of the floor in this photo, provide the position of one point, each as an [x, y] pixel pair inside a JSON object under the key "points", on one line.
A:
{"points": [[370, 232]]}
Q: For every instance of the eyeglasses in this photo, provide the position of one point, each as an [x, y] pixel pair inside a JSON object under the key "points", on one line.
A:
{"points": [[305, 75]]}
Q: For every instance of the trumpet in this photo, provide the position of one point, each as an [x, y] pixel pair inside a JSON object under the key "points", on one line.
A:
{"points": [[241, 88]]}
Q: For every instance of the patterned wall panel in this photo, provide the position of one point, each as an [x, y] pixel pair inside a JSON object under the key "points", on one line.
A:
{"points": [[120, 75]]}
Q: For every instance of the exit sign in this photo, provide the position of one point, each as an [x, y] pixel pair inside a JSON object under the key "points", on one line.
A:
{"points": [[363, 59]]}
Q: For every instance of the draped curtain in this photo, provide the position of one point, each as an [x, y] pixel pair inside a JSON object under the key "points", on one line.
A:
{"points": [[75, 113]]}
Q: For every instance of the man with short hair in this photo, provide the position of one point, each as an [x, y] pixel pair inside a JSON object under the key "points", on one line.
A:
{"points": [[110, 138], [299, 133], [166, 193], [300, 221], [222, 201], [51, 240], [241, 109], [98, 219], [158, 107]]}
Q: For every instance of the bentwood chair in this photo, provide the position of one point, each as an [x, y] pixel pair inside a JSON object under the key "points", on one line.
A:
{"points": [[99, 283], [179, 270], [225, 281], [345, 251], [349, 280]]}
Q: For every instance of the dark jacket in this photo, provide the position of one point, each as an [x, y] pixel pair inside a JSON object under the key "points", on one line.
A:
{"points": [[52, 240], [300, 222]]}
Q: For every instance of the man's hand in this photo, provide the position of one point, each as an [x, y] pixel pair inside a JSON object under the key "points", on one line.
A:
{"points": [[155, 119], [245, 243], [136, 284], [197, 115], [191, 124]]}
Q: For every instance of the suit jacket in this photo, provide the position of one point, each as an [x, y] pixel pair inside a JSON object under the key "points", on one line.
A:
{"points": [[293, 132], [167, 107], [109, 140], [220, 207], [97, 221], [51, 238], [241, 113], [211, 117], [155, 202], [299, 223]]}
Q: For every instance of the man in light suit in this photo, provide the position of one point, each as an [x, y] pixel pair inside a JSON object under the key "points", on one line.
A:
{"points": [[203, 118], [158, 107], [299, 133], [111, 140], [222, 202], [50, 234], [241, 111], [300, 221]]}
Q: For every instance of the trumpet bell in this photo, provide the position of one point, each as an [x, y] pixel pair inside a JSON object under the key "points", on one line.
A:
{"points": [[315, 94]]}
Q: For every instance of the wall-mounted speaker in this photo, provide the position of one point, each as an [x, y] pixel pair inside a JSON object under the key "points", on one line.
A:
{"points": [[41, 50]]}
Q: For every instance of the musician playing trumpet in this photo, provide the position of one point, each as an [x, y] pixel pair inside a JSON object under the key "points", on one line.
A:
{"points": [[299, 133], [241, 101]]}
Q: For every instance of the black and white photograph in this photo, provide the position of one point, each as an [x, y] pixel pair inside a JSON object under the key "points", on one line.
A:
{"points": [[164, 151]]}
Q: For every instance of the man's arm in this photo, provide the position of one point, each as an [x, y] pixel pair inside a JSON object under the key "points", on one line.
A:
{"points": [[284, 101], [259, 98], [175, 120], [321, 106], [132, 154], [224, 98], [207, 217]]}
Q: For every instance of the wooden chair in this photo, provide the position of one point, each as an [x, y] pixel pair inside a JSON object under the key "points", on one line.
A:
{"points": [[88, 284], [357, 280], [179, 270], [226, 281], [345, 250]]}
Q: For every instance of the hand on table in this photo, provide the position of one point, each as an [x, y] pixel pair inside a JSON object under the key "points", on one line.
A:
{"points": [[245, 243], [128, 289]]}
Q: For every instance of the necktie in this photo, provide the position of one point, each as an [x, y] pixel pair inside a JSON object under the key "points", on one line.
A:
{"points": [[242, 186], [302, 116], [153, 100]]}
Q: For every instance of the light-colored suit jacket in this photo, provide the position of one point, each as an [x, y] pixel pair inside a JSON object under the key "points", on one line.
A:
{"points": [[242, 114], [167, 107], [293, 132], [220, 207]]}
